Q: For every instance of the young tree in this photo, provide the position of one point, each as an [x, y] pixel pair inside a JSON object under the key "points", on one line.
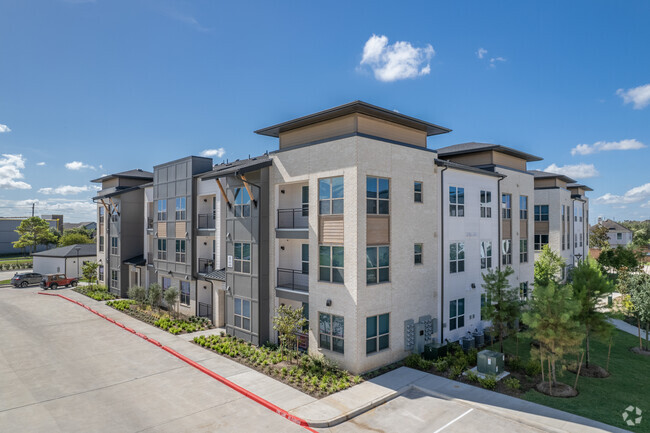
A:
{"points": [[639, 296], [138, 294], [552, 324], [89, 271], [621, 259], [154, 295], [503, 306], [74, 238], [288, 321], [548, 267], [599, 237], [171, 297], [590, 286], [33, 232]]}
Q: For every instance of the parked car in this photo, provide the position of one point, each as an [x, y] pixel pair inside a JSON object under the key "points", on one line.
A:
{"points": [[25, 279], [54, 281]]}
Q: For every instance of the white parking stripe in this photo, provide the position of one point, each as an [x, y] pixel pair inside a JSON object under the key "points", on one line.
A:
{"points": [[452, 421]]}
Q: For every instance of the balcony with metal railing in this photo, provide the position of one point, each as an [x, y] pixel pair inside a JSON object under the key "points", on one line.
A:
{"points": [[292, 279], [205, 221], [205, 266], [292, 223]]}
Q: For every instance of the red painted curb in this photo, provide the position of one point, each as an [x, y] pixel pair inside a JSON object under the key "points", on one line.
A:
{"points": [[283, 413]]}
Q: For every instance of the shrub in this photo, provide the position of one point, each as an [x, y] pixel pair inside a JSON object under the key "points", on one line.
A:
{"points": [[533, 368], [515, 363], [489, 382], [138, 294], [441, 365], [154, 295], [455, 371], [471, 376], [472, 356], [512, 383], [416, 361]]}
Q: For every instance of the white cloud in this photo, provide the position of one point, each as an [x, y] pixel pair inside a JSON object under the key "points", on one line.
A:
{"points": [[214, 152], [77, 165], [576, 171], [66, 190], [40, 164], [481, 53], [4, 128], [80, 210], [646, 205], [494, 60], [397, 61], [10, 166], [604, 146], [636, 194], [639, 96]]}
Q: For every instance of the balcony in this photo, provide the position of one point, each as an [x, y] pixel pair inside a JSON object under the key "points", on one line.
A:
{"points": [[149, 223], [205, 221], [205, 266], [293, 223], [293, 279]]}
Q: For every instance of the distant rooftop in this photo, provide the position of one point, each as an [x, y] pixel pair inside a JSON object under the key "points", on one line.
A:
{"points": [[613, 225], [579, 185], [70, 251], [547, 175], [238, 167], [473, 147], [137, 173]]}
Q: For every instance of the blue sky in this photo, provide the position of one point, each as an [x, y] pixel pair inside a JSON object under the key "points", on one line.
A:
{"points": [[95, 87]]}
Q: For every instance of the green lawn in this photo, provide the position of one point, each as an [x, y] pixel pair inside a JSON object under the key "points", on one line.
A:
{"points": [[5, 281], [602, 399], [14, 259]]}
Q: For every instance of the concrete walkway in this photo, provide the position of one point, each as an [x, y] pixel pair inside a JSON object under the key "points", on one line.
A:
{"points": [[626, 327]]}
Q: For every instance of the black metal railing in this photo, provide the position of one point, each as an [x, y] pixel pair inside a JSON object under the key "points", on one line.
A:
{"points": [[205, 221], [293, 218], [149, 223], [205, 310], [205, 266], [293, 279]]}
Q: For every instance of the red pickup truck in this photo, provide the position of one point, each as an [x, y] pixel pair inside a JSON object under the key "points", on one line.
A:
{"points": [[53, 281]]}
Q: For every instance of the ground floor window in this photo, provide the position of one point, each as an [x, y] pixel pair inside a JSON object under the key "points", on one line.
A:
{"points": [[540, 241], [377, 333], [506, 250], [185, 292], [331, 329], [100, 270], [166, 283], [114, 279], [523, 290], [456, 314], [243, 314], [523, 250]]}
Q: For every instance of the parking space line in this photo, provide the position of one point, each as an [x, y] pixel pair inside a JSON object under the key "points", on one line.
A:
{"points": [[452, 421]]}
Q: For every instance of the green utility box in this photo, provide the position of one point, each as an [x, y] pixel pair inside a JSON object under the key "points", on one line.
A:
{"points": [[434, 351], [490, 362]]}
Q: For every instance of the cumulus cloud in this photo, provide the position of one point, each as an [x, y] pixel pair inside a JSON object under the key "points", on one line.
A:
{"points": [[398, 61], [78, 209], [634, 195], [214, 152], [639, 96], [10, 172], [66, 190], [604, 146], [4, 128], [40, 163], [78, 165], [576, 171], [481, 53], [494, 60]]}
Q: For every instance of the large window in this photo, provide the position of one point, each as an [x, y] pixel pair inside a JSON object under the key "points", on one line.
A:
{"points": [[541, 212], [242, 207], [456, 314], [162, 210], [305, 258], [506, 206], [540, 241], [486, 254], [417, 192], [506, 251], [377, 196], [185, 292], [243, 257], [330, 196], [377, 333], [331, 332], [456, 257], [456, 201], [181, 208], [377, 264], [114, 279], [114, 245], [523, 207], [523, 250], [486, 204], [101, 243], [243, 314], [523, 290], [162, 249], [417, 254], [330, 264], [180, 250]]}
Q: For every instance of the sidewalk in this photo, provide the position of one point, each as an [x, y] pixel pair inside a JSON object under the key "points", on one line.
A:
{"points": [[339, 407], [626, 327]]}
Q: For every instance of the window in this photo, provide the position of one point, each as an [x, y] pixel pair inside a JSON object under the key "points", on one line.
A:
{"points": [[456, 201], [619, 237], [540, 241], [506, 206], [181, 208], [243, 257], [166, 283], [575, 241], [486, 204], [563, 215], [484, 301], [305, 200], [456, 314], [523, 290], [523, 250], [563, 241], [523, 207], [417, 192], [330, 196], [243, 314], [162, 210], [377, 333], [101, 243], [575, 214], [580, 239], [162, 249], [456, 257], [417, 254], [180, 251], [377, 264], [101, 215], [185, 292], [114, 249], [101, 272], [541, 212], [305, 258], [377, 196], [331, 330], [116, 212], [330, 264], [242, 207], [114, 279], [506, 250], [486, 254], [214, 207]]}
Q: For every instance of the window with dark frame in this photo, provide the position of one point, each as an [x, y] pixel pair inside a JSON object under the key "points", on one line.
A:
{"points": [[541, 212], [162, 249], [417, 254], [304, 192], [456, 257], [185, 292], [377, 264], [330, 263], [242, 259], [377, 333], [417, 192], [523, 290], [304, 252], [486, 204], [101, 243], [456, 201], [456, 314], [486, 254], [377, 196], [242, 314], [330, 196], [331, 332], [540, 241]]}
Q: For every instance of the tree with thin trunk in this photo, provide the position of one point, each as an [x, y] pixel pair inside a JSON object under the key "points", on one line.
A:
{"points": [[590, 288], [639, 298], [89, 271], [154, 295], [33, 232], [548, 267], [599, 236], [503, 305], [288, 322], [171, 298]]}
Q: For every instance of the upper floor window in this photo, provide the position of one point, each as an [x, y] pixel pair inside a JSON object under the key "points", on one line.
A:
{"points": [[580, 239], [180, 250], [330, 196], [181, 208], [575, 214], [116, 213], [377, 264], [114, 245], [101, 214], [486, 204], [575, 240], [486, 254], [305, 200], [242, 207], [417, 254], [523, 250], [523, 290], [331, 263], [243, 257], [377, 196], [456, 257], [506, 251], [619, 237], [563, 215], [456, 314], [540, 241], [305, 258], [166, 283], [506, 206], [541, 212], [417, 192], [162, 210], [162, 249], [456, 201], [101, 243], [523, 207]]}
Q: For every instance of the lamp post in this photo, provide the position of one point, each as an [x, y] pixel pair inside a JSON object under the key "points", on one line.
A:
{"points": [[77, 249]]}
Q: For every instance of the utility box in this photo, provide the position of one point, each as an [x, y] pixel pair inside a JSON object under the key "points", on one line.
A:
{"points": [[490, 362], [467, 343], [434, 351]]}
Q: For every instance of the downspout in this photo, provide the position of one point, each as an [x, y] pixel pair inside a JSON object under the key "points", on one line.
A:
{"points": [[573, 231], [499, 242], [442, 253]]}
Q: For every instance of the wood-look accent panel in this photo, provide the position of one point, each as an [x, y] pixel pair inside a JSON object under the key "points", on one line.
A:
{"points": [[180, 229], [541, 227], [523, 228], [509, 161], [162, 229], [378, 230], [506, 229], [392, 131], [546, 183], [331, 229], [479, 158], [320, 131]]}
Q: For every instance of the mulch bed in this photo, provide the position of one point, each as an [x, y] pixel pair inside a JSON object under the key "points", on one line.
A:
{"points": [[559, 389], [593, 370], [640, 351]]}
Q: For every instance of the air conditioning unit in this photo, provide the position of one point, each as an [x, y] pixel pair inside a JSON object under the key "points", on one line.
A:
{"points": [[490, 362]]}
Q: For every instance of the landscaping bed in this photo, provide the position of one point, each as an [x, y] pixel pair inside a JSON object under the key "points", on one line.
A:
{"points": [[161, 319], [316, 376], [98, 293]]}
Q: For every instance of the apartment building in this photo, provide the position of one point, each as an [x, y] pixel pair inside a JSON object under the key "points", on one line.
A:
{"points": [[618, 235]]}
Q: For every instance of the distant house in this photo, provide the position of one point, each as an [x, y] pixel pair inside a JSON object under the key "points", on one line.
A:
{"points": [[618, 235], [68, 260]]}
